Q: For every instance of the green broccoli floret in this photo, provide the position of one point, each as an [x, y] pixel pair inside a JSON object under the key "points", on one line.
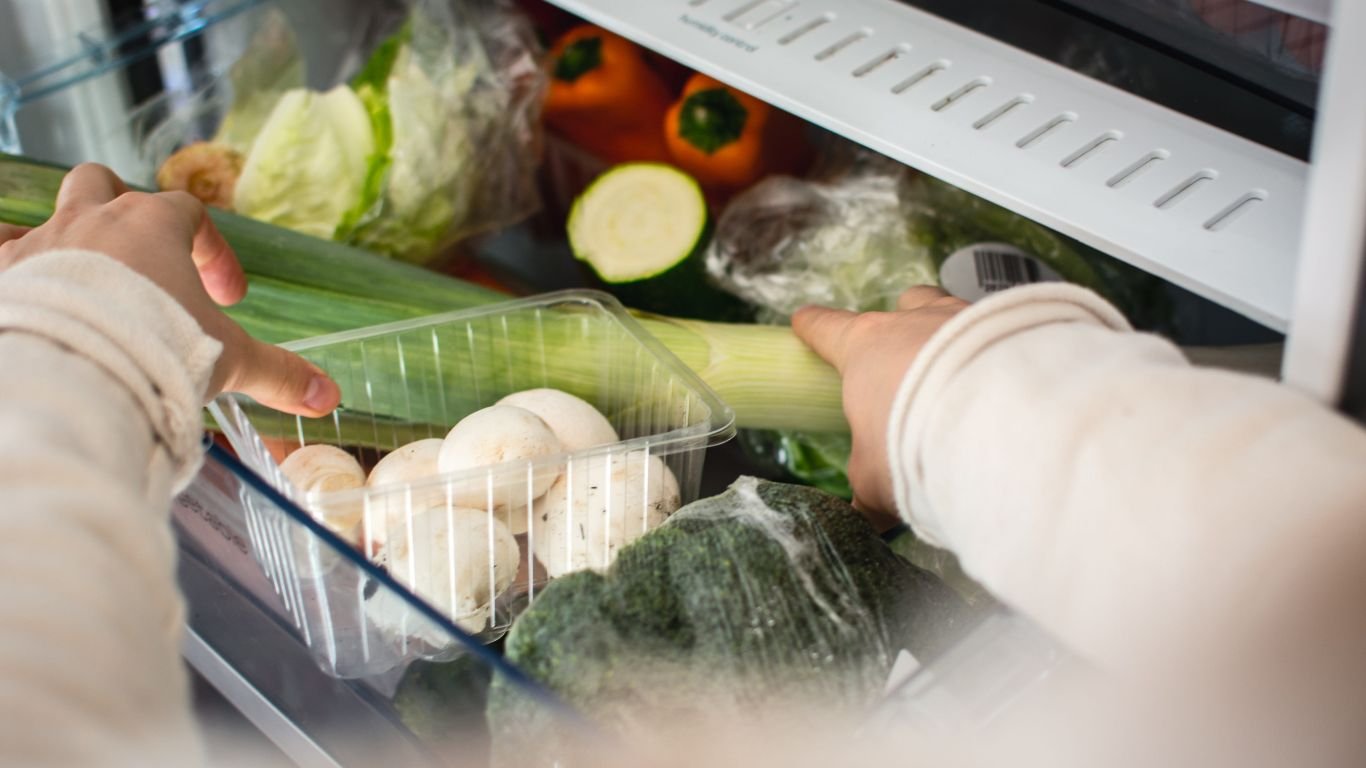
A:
{"points": [[767, 593], [443, 703]]}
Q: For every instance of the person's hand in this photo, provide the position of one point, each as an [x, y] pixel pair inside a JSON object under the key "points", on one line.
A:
{"points": [[169, 238], [872, 351]]}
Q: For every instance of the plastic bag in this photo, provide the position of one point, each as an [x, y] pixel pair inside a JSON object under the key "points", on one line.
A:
{"points": [[432, 139], [845, 241], [765, 596], [948, 221]]}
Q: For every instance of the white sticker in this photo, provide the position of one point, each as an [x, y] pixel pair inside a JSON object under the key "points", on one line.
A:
{"points": [[981, 269]]}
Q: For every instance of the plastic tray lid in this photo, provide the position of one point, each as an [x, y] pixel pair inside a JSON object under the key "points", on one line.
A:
{"points": [[382, 397]]}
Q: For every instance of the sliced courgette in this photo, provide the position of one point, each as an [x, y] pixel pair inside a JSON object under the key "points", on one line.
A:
{"points": [[643, 229]]}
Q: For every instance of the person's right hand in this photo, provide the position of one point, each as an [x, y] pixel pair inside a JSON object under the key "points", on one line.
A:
{"points": [[169, 238], [872, 351]]}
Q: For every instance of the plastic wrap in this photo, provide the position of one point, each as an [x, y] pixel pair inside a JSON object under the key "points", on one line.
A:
{"points": [[844, 239], [432, 140], [765, 596], [844, 242]]}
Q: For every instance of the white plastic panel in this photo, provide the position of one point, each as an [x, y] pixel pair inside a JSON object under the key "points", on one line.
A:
{"points": [[1334, 244], [1189, 202]]}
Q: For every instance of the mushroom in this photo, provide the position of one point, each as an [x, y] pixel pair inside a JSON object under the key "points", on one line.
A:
{"points": [[584, 524], [495, 435], [319, 469], [459, 560], [411, 463], [316, 471], [577, 424], [394, 475], [207, 170]]}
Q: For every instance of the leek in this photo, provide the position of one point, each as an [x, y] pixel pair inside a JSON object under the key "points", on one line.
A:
{"points": [[302, 286]]}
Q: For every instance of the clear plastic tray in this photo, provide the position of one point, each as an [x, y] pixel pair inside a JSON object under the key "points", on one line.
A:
{"points": [[415, 379], [233, 529]]}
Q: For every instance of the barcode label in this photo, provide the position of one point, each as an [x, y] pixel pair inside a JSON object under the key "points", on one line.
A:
{"points": [[982, 269], [998, 270]]}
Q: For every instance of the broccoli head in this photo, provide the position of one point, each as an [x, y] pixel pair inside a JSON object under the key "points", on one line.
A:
{"points": [[765, 594]]}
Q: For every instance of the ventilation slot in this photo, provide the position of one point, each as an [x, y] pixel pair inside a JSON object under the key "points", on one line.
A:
{"points": [[806, 29], [843, 43], [1144, 163], [1038, 134], [742, 10], [1099, 143], [755, 14], [924, 74], [1002, 111], [1184, 190], [958, 95], [889, 56], [695, 3], [1240, 206]]}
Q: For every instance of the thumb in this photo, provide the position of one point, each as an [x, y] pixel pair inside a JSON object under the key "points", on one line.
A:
{"points": [[824, 330], [278, 378]]}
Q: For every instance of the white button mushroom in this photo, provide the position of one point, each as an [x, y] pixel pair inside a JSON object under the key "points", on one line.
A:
{"points": [[585, 523], [319, 470], [577, 424], [409, 463], [394, 477], [495, 435], [459, 560]]}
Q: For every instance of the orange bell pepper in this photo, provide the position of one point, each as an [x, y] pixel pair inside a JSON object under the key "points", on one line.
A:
{"points": [[727, 139], [605, 98]]}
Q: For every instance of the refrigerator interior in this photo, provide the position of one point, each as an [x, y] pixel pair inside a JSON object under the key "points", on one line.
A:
{"points": [[1171, 135]]}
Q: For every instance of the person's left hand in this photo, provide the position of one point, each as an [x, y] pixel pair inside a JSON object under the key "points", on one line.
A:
{"points": [[169, 238]]}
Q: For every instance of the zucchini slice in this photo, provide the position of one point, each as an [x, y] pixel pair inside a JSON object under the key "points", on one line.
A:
{"points": [[643, 229]]}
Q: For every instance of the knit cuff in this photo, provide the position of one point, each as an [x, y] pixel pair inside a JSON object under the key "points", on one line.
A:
{"points": [[126, 324], [952, 348]]}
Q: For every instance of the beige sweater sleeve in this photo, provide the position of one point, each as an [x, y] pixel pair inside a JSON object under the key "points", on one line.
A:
{"points": [[104, 376], [1128, 502]]}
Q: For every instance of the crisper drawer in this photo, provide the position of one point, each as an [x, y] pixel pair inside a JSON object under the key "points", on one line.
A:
{"points": [[261, 643]]}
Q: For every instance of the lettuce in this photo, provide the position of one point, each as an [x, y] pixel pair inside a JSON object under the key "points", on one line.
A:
{"points": [[309, 164], [394, 161], [426, 176]]}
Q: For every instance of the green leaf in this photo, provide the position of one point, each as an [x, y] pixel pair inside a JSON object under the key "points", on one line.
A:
{"points": [[310, 162], [375, 73]]}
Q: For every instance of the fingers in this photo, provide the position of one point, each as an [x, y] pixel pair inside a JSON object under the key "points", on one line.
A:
{"points": [[10, 232], [278, 378], [824, 330], [222, 274], [881, 520], [218, 267], [919, 296], [89, 184]]}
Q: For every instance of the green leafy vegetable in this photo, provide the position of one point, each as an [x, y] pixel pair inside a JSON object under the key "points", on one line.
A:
{"points": [[309, 163], [428, 172], [767, 593]]}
